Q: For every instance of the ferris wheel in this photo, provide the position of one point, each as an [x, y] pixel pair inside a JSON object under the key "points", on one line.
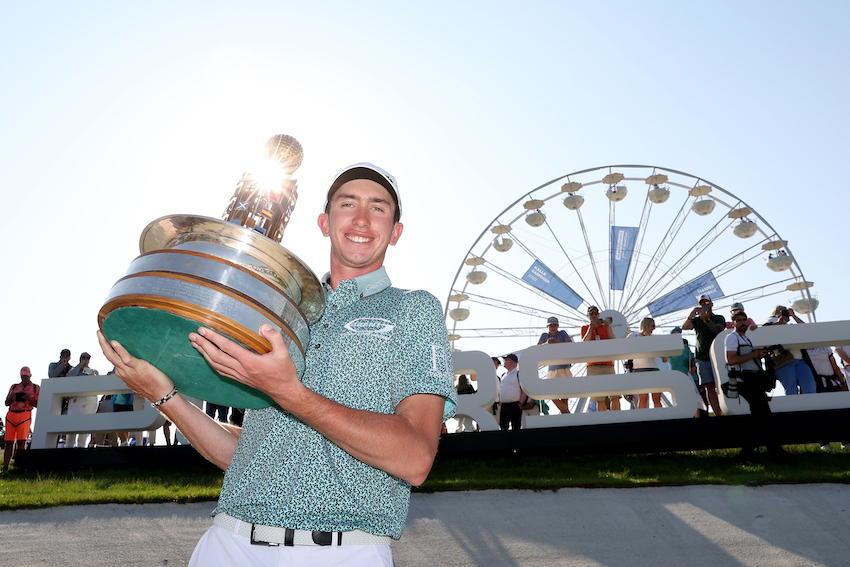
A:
{"points": [[633, 240]]}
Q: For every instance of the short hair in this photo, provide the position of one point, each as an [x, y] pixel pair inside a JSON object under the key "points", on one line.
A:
{"points": [[65, 352], [740, 314], [644, 324]]}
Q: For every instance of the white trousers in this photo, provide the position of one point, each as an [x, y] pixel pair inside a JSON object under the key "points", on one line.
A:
{"points": [[219, 548]]}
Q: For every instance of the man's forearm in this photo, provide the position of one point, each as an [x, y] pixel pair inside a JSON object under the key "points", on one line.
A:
{"points": [[215, 441], [733, 357], [403, 444]]}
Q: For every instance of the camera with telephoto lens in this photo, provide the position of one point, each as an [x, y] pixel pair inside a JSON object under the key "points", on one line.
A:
{"points": [[20, 396], [730, 389]]}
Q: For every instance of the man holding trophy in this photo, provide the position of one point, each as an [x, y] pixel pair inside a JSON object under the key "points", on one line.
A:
{"points": [[331, 464]]}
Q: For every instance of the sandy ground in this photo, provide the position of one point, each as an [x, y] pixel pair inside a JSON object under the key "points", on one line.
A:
{"points": [[772, 526]]}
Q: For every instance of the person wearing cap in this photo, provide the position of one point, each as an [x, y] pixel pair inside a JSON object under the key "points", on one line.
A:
{"points": [[60, 369], [707, 326], [511, 396], [736, 308], [745, 360], [323, 476], [598, 330], [645, 329], [552, 336], [81, 405], [781, 315], [21, 400], [685, 364], [796, 377]]}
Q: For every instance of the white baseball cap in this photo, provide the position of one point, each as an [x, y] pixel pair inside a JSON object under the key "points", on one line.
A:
{"points": [[372, 172]]}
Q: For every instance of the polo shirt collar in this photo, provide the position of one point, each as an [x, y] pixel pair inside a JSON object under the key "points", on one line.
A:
{"points": [[359, 287]]}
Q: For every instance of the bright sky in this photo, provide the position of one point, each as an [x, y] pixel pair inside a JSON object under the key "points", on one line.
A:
{"points": [[114, 114]]}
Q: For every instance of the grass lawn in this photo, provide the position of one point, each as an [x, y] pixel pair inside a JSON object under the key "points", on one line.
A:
{"points": [[20, 489]]}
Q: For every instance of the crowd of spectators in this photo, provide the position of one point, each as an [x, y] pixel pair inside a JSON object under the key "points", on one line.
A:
{"points": [[809, 371], [22, 399]]}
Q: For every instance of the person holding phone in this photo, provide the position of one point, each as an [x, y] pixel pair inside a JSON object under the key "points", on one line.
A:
{"points": [[21, 400], [707, 325], [599, 330]]}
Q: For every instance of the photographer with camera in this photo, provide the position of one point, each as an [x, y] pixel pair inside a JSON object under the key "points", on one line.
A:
{"points": [[795, 376], [21, 399], [752, 383]]}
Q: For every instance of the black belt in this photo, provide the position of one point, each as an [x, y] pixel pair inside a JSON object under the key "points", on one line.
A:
{"points": [[19, 410], [274, 536]]}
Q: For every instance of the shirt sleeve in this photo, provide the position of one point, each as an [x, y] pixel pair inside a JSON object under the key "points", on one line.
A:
{"points": [[731, 342], [423, 353]]}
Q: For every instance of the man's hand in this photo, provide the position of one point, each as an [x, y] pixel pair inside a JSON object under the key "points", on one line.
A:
{"points": [[215, 441], [705, 315], [551, 341], [139, 375], [273, 373]]}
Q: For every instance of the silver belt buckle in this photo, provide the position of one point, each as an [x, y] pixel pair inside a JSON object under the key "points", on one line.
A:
{"points": [[255, 541]]}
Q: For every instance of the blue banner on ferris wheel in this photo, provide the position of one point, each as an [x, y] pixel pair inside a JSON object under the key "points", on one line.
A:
{"points": [[622, 247], [686, 296], [546, 281]]}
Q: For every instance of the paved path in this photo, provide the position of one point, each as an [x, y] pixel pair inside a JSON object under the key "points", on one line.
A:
{"points": [[772, 526]]}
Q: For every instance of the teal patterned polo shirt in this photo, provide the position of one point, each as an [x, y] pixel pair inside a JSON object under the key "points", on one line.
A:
{"points": [[374, 346]]}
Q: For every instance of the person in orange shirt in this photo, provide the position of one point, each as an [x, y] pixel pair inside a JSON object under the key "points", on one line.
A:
{"points": [[599, 330], [21, 400]]}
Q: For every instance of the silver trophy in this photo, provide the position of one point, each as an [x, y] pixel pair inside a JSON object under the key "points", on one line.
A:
{"points": [[230, 275]]}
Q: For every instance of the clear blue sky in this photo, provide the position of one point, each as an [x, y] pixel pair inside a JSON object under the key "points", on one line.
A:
{"points": [[114, 114]]}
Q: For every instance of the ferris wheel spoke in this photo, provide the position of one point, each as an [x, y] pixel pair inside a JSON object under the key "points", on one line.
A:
{"points": [[590, 256], [570, 260], [684, 261], [508, 306], [627, 294], [657, 257], [740, 259], [498, 332], [522, 244]]}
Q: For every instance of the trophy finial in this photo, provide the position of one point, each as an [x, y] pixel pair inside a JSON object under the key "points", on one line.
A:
{"points": [[265, 196], [285, 151]]}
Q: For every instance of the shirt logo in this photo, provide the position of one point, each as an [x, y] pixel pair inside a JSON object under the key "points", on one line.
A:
{"points": [[382, 282], [439, 361], [370, 326]]}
